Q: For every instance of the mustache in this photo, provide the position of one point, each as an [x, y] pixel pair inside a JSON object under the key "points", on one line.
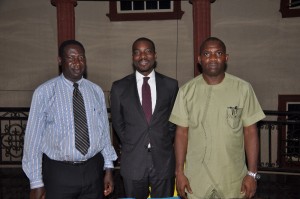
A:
{"points": [[134, 67]]}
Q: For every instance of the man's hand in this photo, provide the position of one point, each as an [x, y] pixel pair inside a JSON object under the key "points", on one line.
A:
{"points": [[180, 146], [252, 149], [248, 186], [182, 184], [108, 182], [38, 193]]}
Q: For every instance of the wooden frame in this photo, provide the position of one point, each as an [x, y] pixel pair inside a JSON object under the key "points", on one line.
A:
{"points": [[113, 15], [283, 105], [283, 100], [287, 11]]}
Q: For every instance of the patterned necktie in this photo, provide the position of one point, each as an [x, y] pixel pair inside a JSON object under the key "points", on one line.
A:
{"points": [[82, 142], [146, 99]]}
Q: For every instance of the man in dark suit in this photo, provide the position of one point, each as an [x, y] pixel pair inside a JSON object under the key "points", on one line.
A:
{"points": [[147, 153]]}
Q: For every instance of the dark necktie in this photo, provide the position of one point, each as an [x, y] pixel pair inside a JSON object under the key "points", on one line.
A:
{"points": [[82, 142], [146, 99]]}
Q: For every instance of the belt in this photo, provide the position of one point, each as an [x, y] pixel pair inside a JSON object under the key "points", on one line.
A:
{"points": [[75, 163]]}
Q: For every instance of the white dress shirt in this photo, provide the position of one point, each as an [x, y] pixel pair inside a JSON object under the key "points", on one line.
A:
{"points": [[152, 84]]}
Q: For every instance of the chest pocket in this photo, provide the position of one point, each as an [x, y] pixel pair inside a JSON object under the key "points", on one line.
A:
{"points": [[234, 116]]}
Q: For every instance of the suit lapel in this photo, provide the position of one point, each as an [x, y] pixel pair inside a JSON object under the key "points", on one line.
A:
{"points": [[159, 92], [135, 95]]}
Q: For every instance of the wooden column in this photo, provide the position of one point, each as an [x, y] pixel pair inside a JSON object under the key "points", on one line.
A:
{"points": [[65, 19], [201, 21]]}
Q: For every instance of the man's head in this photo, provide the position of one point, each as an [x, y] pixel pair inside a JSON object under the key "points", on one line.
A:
{"points": [[213, 58], [143, 55], [72, 59]]}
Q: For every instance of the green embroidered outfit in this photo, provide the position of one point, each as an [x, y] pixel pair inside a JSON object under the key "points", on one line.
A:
{"points": [[216, 114]]}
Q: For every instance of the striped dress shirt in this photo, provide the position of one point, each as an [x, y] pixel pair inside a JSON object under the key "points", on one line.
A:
{"points": [[50, 126]]}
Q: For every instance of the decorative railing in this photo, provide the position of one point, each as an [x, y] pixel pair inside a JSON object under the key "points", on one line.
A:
{"points": [[12, 125], [279, 136]]}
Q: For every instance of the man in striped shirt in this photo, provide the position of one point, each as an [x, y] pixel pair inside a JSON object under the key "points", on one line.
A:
{"points": [[55, 168]]}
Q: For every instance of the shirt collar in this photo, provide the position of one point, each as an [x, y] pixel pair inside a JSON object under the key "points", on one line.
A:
{"points": [[70, 83], [139, 76]]}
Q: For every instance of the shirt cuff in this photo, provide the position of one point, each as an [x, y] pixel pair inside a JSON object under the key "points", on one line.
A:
{"points": [[36, 184], [108, 165]]}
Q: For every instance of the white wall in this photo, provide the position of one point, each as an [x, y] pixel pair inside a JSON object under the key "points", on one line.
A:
{"points": [[263, 47], [109, 43], [28, 49]]}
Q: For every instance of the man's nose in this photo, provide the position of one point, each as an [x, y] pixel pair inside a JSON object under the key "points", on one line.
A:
{"points": [[77, 60], [143, 55], [213, 56]]}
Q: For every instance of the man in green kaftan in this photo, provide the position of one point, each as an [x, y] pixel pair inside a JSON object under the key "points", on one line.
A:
{"points": [[216, 115]]}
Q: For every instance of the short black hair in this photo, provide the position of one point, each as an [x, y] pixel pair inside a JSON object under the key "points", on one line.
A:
{"points": [[66, 43], [212, 39], [144, 39]]}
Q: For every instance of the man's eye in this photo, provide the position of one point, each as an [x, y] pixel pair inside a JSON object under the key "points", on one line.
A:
{"points": [[206, 54], [70, 58], [73, 59], [219, 54], [136, 52], [81, 58], [148, 51]]}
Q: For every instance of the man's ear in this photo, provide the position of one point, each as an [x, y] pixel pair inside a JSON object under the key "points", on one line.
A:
{"points": [[59, 60], [199, 59]]}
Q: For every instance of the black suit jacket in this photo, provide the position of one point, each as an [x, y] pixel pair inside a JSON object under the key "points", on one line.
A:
{"points": [[130, 124]]}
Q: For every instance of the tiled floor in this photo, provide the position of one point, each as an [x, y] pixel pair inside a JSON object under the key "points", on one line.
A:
{"points": [[14, 185]]}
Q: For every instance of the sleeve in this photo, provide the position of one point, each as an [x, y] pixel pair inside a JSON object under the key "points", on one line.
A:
{"points": [[108, 151], [252, 111], [116, 114], [172, 126], [179, 115], [32, 154]]}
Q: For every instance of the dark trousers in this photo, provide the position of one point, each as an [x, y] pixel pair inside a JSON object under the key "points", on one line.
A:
{"points": [[66, 181], [139, 189]]}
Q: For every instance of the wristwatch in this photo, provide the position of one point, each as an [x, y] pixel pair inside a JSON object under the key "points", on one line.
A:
{"points": [[256, 175]]}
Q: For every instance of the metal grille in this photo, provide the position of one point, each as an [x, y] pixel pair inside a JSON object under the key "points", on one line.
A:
{"points": [[12, 124], [279, 141], [279, 137]]}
